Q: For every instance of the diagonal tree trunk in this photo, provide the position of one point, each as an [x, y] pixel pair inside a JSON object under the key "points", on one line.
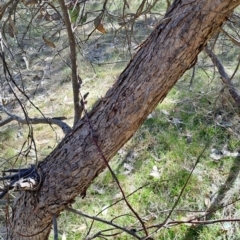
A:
{"points": [[160, 61]]}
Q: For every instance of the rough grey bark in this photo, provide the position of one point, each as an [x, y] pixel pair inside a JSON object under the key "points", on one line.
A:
{"points": [[160, 62]]}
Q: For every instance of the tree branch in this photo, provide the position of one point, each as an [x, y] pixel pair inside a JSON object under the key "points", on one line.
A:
{"points": [[5, 121], [76, 81], [55, 227], [195, 222], [115, 204], [132, 233], [66, 129], [184, 187], [224, 76], [232, 39]]}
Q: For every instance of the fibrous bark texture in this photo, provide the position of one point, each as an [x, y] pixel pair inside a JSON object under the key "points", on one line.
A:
{"points": [[159, 63]]}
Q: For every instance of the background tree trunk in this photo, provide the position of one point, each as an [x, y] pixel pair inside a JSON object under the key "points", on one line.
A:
{"points": [[160, 61]]}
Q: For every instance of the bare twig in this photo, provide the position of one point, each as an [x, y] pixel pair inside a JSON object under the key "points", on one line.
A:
{"points": [[217, 63], [192, 77], [195, 222], [132, 233], [5, 121], [236, 68], [184, 187], [232, 39], [73, 57], [66, 129], [115, 204], [4, 7], [55, 228], [224, 76], [9, 79], [101, 234]]}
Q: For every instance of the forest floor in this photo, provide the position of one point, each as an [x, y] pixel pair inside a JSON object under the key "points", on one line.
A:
{"points": [[184, 160]]}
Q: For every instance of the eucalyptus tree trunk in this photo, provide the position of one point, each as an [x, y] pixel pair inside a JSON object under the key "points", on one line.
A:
{"points": [[160, 61]]}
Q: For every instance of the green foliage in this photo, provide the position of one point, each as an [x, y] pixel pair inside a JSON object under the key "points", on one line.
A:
{"points": [[74, 13]]}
